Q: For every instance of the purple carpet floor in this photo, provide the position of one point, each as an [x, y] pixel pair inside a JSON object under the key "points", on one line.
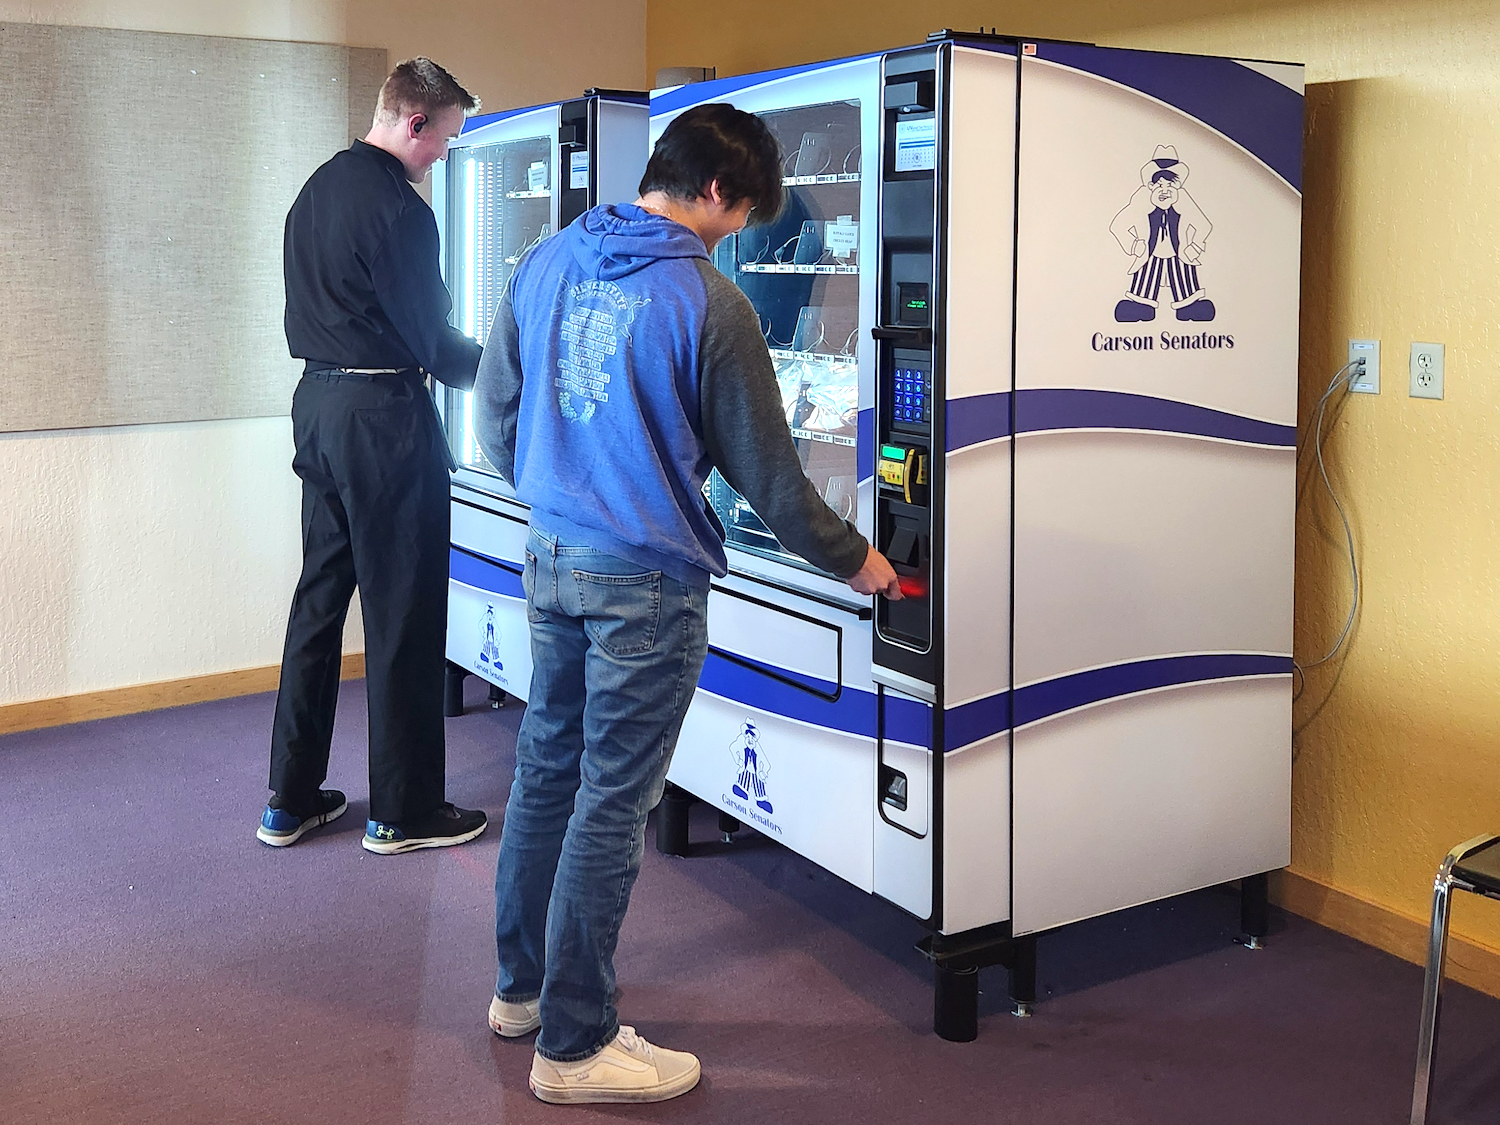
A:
{"points": [[159, 965]]}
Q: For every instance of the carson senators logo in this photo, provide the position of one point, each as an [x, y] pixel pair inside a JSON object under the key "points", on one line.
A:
{"points": [[489, 640], [1165, 233], [753, 768]]}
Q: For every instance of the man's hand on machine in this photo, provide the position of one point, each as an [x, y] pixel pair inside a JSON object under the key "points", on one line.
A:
{"points": [[876, 577]]}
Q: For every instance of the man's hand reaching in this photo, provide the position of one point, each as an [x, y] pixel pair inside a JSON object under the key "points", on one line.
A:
{"points": [[876, 577]]}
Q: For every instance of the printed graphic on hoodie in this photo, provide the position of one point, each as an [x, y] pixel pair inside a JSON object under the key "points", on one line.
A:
{"points": [[596, 317]]}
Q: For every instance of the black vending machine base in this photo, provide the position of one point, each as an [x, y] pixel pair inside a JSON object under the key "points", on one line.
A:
{"points": [[957, 958], [454, 676]]}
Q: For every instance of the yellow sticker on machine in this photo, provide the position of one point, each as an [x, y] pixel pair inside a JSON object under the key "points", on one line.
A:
{"points": [[893, 473]]}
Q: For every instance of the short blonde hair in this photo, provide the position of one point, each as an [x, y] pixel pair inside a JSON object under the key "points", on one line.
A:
{"points": [[419, 85]]}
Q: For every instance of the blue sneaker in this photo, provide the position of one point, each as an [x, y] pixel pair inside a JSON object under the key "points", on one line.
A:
{"points": [[446, 826], [280, 827]]}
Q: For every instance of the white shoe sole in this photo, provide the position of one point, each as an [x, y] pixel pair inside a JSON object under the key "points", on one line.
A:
{"points": [[285, 841], [576, 1095], [394, 847], [514, 1030]]}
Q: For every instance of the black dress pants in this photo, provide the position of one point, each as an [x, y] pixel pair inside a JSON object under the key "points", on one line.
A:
{"points": [[375, 495]]}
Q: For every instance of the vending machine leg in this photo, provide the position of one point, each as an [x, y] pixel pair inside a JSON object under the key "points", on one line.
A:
{"points": [[728, 826], [1022, 967], [1255, 910], [497, 697], [955, 1002], [453, 689], [672, 821]]}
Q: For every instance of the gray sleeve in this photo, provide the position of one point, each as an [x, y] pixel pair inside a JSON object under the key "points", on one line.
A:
{"points": [[748, 440], [497, 391]]}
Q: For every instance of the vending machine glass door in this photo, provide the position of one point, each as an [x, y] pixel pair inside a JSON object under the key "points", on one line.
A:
{"points": [[802, 272], [499, 205]]}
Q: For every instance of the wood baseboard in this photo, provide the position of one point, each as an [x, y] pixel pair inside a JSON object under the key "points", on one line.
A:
{"points": [[1469, 962], [151, 697]]}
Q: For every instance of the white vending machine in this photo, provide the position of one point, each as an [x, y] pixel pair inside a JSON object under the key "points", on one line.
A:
{"points": [[1034, 311], [510, 180]]}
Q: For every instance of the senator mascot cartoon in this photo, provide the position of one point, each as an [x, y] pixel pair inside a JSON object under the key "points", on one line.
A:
{"points": [[489, 639], [753, 768], [1165, 234]]}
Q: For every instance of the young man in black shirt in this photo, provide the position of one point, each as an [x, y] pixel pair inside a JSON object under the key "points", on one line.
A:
{"points": [[367, 310]]}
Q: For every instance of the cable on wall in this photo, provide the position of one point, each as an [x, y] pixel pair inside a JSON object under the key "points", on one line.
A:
{"points": [[1340, 382]]}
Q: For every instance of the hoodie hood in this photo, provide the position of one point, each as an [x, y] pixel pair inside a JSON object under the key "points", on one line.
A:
{"points": [[615, 240]]}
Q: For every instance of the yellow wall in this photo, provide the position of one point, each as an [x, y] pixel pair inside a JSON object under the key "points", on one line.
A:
{"points": [[1398, 755]]}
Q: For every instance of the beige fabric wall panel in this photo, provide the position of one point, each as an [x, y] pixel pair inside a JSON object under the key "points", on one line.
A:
{"points": [[140, 247]]}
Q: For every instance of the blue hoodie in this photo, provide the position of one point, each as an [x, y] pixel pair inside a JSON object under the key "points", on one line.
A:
{"points": [[620, 369], [608, 449]]}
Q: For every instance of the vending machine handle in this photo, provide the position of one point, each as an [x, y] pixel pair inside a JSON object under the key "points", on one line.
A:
{"points": [[906, 337], [770, 673]]}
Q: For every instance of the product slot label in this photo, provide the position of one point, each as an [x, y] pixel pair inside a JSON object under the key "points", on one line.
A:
{"points": [[842, 237]]}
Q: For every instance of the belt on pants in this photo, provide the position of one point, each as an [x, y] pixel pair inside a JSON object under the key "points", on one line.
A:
{"points": [[369, 375], [362, 374]]}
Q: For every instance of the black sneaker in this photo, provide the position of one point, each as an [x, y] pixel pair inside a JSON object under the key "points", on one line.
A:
{"points": [[443, 828], [281, 826]]}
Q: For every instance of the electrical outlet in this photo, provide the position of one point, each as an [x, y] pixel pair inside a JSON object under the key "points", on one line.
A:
{"points": [[1427, 371], [1364, 372]]}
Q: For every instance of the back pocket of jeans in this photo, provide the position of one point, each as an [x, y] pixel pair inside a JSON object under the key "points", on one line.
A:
{"points": [[621, 611]]}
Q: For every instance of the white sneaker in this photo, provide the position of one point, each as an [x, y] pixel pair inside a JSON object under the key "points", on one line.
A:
{"points": [[511, 1020], [628, 1070]]}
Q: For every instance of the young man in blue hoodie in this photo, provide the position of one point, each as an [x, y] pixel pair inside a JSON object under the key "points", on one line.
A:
{"points": [[621, 368]]}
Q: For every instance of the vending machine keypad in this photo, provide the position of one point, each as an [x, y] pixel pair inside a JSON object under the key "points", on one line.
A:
{"points": [[911, 396]]}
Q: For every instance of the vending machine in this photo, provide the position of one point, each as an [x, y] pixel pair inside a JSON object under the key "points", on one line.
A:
{"points": [[511, 179], [1033, 308]]}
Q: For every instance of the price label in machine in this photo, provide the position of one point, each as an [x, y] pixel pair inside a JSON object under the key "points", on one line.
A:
{"points": [[841, 238]]}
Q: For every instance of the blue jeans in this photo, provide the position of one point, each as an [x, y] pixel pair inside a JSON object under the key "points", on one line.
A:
{"points": [[616, 651]]}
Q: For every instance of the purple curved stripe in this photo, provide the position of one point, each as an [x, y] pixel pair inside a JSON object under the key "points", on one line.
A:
{"points": [[854, 712], [484, 574], [969, 421], [1255, 112], [718, 89], [972, 722], [864, 452], [986, 417]]}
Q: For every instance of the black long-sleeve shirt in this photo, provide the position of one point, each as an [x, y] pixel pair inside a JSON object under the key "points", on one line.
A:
{"points": [[363, 286]]}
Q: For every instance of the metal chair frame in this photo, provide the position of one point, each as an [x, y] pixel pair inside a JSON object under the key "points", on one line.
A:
{"points": [[1437, 952]]}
